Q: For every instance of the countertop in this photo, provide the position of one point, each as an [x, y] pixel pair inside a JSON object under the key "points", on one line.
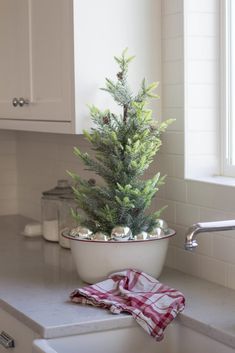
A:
{"points": [[36, 278]]}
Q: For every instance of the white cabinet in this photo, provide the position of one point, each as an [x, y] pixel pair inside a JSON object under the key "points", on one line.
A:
{"points": [[22, 335], [36, 64], [56, 54]]}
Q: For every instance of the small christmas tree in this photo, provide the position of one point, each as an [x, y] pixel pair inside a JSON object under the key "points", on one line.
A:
{"points": [[124, 148]]}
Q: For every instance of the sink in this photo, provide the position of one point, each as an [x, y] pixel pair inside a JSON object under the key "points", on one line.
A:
{"points": [[178, 339]]}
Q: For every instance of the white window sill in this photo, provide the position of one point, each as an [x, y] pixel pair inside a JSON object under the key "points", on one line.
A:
{"points": [[216, 179]]}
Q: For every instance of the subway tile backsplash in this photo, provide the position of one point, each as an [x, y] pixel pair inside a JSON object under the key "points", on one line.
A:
{"points": [[8, 174], [41, 160], [192, 201]]}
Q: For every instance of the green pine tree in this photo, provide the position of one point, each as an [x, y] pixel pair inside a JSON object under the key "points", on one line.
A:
{"points": [[124, 148]]}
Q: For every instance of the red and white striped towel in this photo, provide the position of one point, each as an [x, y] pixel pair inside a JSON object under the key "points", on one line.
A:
{"points": [[152, 304]]}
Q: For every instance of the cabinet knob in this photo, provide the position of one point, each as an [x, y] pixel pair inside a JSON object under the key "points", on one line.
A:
{"points": [[15, 102], [6, 340], [22, 101]]}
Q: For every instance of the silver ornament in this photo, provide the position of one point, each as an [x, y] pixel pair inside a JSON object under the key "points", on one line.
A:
{"points": [[157, 232], [141, 236], [162, 224], [81, 232], [99, 236], [121, 233], [160, 230]]}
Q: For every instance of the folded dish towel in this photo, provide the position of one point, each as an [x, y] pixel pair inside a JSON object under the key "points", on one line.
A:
{"points": [[152, 304]]}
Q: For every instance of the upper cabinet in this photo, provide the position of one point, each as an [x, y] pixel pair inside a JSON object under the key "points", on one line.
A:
{"points": [[55, 54], [36, 64]]}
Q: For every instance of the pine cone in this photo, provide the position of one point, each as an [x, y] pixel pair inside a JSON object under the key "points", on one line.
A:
{"points": [[136, 211], [92, 182], [106, 120], [120, 75]]}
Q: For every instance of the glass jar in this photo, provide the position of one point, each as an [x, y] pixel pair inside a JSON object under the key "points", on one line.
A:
{"points": [[66, 220], [51, 200]]}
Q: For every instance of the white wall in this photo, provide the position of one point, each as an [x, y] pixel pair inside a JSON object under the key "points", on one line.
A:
{"points": [[42, 159], [192, 201], [8, 173], [106, 31]]}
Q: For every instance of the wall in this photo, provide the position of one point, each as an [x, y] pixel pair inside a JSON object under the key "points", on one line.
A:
{"points": [[191, 201], [8, 173], [42, 159], [103, 33]]}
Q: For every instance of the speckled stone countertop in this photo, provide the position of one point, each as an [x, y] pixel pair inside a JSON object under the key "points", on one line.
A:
{"points": [[36, 278]]}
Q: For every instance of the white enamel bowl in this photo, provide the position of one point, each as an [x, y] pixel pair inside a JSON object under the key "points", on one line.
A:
{"points": [[95, 260]]}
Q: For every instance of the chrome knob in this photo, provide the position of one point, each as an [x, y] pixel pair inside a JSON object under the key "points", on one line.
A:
{"points": [[6, 340], [15, 102], [22, 101]]}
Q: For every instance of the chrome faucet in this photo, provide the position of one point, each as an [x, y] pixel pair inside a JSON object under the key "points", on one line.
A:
{"points": [[204, 227]]}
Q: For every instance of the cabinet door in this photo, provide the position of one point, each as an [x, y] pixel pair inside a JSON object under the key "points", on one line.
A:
{"points": [[51, 43], [14, 63], [22, 335], [36, 60]]}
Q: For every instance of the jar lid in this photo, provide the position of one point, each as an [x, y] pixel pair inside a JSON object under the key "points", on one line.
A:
{"points": [[61, 189]]}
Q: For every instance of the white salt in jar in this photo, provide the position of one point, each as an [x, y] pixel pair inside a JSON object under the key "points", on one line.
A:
{"points": [[50, 209]]}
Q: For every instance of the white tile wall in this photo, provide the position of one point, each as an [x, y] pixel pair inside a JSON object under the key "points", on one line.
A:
{"points": [[176, 189], [186, 213], [8, 173], [203, 71], [192, 201], [173, 25], [172, 72], [201, 166], [173, 142], [208, 23], [173, 94], [172, 48], [202, 119], [231, 276], [172, 6], [176, 113], [196, 146], [41, 160], [202, 96], [203, 6]]}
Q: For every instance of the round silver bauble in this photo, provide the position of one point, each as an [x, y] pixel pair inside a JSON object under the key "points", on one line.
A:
{"points": [[160, 230], [121, 233], [141, 236], [81, 232], [99, 236]]}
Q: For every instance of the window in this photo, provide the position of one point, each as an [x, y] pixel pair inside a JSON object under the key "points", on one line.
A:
{"points": [[228, 86], [202, 89], [209, 73]]}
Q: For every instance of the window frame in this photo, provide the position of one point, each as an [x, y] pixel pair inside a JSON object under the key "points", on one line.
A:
{"points": [[227, 168]]}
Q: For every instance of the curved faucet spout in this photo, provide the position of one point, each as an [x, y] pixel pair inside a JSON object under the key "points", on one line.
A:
{"points": [[190, 241], [205, 227]]}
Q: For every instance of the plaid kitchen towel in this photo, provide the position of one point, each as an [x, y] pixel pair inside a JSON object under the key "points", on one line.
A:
{"points": [[152, 304]]}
